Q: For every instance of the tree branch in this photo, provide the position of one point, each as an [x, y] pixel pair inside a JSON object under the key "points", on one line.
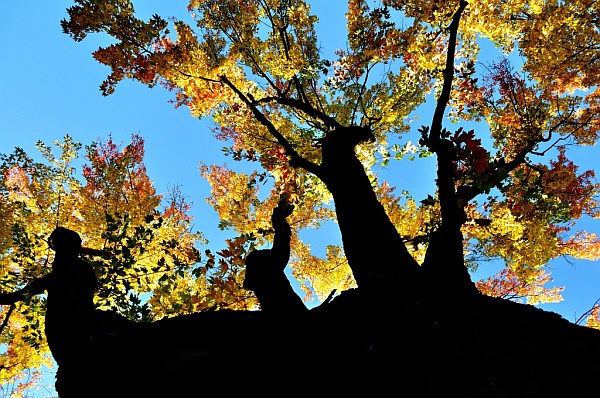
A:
{"points": [[468, 192], [308, 109], [295, 159], [442, 102], [452, 211], [7, 317]]}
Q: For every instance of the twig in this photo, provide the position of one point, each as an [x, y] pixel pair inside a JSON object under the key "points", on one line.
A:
{"points": [[587, 313]]}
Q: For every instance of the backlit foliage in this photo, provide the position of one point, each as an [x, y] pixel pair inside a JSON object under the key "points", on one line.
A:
{"points": [[256, 68], [593, 319], [151, 265], [507, 285]]}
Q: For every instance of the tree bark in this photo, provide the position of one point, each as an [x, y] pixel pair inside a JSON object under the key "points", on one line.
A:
{"points": [[373, 247], [444, 263]]}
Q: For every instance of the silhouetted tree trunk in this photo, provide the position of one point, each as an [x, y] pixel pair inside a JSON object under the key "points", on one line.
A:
{"points": [[444, 264], [372, 245], [374, 249]]}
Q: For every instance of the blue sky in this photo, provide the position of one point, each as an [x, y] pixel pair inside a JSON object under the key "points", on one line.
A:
{"points": [[50, 88]]}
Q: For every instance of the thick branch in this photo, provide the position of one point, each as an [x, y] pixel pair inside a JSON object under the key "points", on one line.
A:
{"points": [[442, 102], [444, 259], [308, 109], [444, 149], [295, 159], [38, 286], [467, 192]]}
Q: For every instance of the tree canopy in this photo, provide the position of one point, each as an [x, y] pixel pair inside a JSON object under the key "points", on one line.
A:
{"points": [[149, 265], [501, 129], [318, 128]]}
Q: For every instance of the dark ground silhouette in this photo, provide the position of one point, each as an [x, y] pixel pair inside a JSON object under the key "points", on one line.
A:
{"points": [[72, 322], [362, 343], [356, 345]]}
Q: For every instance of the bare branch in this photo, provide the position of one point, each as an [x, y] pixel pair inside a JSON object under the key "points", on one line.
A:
{"points": [[587, 313], [308, 109]]}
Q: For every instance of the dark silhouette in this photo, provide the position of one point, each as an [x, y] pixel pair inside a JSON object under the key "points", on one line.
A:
{"points": [[408, 330], [373, 247], [379, 260], [70, 286], [264, 268], [72, 321]]}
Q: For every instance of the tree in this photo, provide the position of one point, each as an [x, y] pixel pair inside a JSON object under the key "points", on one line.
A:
{"points": [[149, 248], [317, 127]]}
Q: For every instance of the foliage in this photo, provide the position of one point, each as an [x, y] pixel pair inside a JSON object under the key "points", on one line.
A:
{"points": [[151, 257], [593, 318], [507, 285], [255, 66]]}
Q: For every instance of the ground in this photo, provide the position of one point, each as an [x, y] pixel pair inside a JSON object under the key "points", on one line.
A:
{"points": [[428, 348]]}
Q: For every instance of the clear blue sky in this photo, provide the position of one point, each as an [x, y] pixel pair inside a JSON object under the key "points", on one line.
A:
{"points": [[49, 88]]}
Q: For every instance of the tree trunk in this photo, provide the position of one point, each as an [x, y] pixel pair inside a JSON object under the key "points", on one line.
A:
{"points": [[351, 346], [444, 264], [373, 247]]}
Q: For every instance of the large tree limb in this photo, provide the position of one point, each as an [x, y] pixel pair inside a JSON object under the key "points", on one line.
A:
{"points": [[442, 102], [444, 149], [295, 159], [37, 286], [444, 260], [466, 193]]}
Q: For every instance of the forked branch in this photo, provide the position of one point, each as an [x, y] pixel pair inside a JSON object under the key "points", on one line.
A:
{"points": [[295, 159]]}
